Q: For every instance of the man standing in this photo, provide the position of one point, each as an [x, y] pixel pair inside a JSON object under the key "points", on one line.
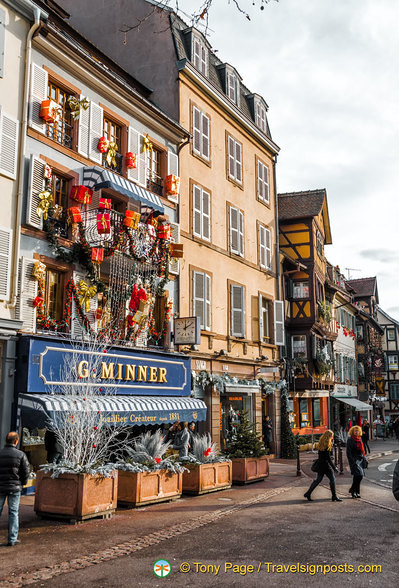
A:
{"points": [[268, 432], [14, 473]]}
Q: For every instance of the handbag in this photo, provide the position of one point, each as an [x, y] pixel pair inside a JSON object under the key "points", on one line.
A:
{"points": [[365, 463], [315, 465]]}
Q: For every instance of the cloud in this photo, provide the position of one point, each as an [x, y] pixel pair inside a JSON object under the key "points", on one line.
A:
{"points": [[383, 255]]}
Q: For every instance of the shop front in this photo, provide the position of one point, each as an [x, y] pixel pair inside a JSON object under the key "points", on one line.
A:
{"points": [[308, 412], [347, 410]]}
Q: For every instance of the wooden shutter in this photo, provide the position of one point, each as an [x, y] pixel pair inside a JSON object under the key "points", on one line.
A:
{"points": [[234, 231], [268, 249], [84, 132], [237, 311], [173, 169], [24, 309], [95, 132], [238, 157], [196, 130], [262, 246], [231, 158], [8, 145], [206, 215], [260, 317], [5, 262], [139, 174], [278, 322], [199, 297], [38, 93], [35, 186], [205, 135], [197, 211], [241, 232], [77, 329], [207, 313], [174, 264]]}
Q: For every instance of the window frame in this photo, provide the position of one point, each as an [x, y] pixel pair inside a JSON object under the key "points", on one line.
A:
{"points": [[200, 60], [206, 301], [204, 195], [232, 86], [299, 338], [319, 243], [235, 309], [391, 330], [60, 293], [260, 116], [233, 162], [302, 295], [267, 247], [393, 365], [110, 120], [239, 230], [261, 184], [265, 311], [62, 87], [198, 131]]}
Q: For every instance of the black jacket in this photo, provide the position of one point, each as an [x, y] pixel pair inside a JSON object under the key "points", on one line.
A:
{"points": [[395, 481], [14, 469], [355, 458], [325, 462]]}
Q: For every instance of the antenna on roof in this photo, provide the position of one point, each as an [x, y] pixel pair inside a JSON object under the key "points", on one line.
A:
{"points": [[351, 269]]}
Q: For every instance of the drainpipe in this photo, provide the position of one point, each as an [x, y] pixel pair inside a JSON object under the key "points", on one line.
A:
{"points": [[37, 13]]}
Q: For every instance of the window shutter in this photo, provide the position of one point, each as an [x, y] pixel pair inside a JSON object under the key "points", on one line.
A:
{"points": [[142, 166], [5, 262], [197, 211], [231, 162], [234, 231], [38, 93], [241, 232], [266, 183], [8, 145], [2, 40], [238, 162], [278, 322], [25, 311], [206, 215], [173, 169], [260, 183], [77, 329], [268, 249], [199, 297], [95, 132], [237, 311], [205, 136], [84, 134], [260, 317], [174, 264], [36, 185], [196, 130], [262, 246], [207, 302]]}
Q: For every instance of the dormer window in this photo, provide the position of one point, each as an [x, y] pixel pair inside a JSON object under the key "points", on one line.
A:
{"points": [[260, 116], [232, 86], [200, 55]]}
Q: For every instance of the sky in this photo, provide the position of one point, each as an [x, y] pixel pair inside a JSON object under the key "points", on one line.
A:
{"points": [[329, 72]]}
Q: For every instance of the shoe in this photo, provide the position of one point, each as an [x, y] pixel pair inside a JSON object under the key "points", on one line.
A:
{"points": [[354, 495], [357, 495], [17, 542], [307, 495], [336, 499]]}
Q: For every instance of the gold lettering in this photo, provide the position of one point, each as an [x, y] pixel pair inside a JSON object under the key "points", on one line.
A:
{"points": [[129, 372], [142, 373], [162, 375], [119, 371], [107, 370], [153, 374], [83, 371]]}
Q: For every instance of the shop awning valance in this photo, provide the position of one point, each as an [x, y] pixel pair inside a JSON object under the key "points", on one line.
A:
{"points": [[357, 404], [97, 178], [38, 409], [241, 389]]}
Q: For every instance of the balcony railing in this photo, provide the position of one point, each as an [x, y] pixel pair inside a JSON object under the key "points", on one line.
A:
{"points": [[155, 183], [119, 163], [61, 131]]}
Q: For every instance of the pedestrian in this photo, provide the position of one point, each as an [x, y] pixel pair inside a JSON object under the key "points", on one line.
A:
{"points": [[191, 432], [182, 439], [268, 432], [325, 466], [396, 428], [172, 432], [356, 457], [366, 435], [14, 473], [395, 481], [53, 447]]}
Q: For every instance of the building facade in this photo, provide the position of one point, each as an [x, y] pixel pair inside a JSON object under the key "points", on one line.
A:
{"points": [[390, 347]]}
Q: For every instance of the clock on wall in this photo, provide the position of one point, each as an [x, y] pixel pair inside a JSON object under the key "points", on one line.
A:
{"points": [[187, 330]]}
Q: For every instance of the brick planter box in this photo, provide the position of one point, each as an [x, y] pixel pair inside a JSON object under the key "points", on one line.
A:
{"points": [[207, 477], [135, 489], [75, 497], [250, 469]]}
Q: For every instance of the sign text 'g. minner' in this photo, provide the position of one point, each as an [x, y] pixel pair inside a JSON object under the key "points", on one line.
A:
{"points": [[124, 371]]}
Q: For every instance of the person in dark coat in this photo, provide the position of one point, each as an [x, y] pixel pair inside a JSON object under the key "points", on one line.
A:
{"points": [[267, 432], [53, 447], [191, 432], [182, 440], [395, 481], [356, 457], [172, 432], [14, 473], [366, 435], [325, 466]]}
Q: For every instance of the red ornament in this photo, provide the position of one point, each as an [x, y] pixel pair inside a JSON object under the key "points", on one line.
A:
{"points": [[38, 301], [94, 445], [50, 111], [95, 428], [104, 203], [172, 184], [131, 160], [103, 144], [97, 256], [103, 223], [131, 219], [81, 194], [164, 231], [74, 214], [84, 398], [137, 295], [99, 412], [157, 459]]}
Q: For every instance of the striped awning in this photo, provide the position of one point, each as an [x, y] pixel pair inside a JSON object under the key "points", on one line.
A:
{"points": [[38, 410], [97, 177]]}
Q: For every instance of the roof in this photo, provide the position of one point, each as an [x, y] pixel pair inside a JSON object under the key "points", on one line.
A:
{"points": [[364, 286], [386, 315], [308, 203]]}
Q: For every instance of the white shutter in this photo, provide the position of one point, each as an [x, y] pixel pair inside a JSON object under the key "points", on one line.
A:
{"points": [[134, 147], [24, 309], [196, 130], [241, 233], [173, 169], [268, 248], [38, 93], [77, 329], [174, 264], [262, 246], [266, 183], [231, 157], [237, 311], [5, 262], [205, 136], [238, 162], [206, 216], [35, 186], [8, 145], [234, 231], [199, 297], [142, 163], [197, 229], [84, 126], [95, 132], [260, 181], [278, 322], [260, 315], [207, 301]]}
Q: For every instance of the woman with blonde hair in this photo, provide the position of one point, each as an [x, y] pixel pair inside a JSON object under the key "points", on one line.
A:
{"points": [[324, 466], [356, 458]]}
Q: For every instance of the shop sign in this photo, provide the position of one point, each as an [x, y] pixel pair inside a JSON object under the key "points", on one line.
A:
{"points": [[379, 386]]}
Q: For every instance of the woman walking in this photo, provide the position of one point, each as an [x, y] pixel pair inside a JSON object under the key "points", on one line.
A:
{"points": [[366, 435], [356, 458], [325, 466]]}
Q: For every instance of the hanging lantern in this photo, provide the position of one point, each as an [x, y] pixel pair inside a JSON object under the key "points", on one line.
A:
{"points": [[97, 255], [50, 111], [103, 144], [131, 160], [131, 219], [172, 185], [104, 204], [74, 215], [104, 223], [81, 194]]}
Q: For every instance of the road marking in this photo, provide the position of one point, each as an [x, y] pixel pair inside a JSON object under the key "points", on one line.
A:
{"points": [[383, 467]]}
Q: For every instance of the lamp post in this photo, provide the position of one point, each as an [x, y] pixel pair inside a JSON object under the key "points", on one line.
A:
{"points": [[298, 461]]}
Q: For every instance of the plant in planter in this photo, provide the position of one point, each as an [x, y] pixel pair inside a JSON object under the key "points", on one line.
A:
{"points": [[146, 475], [208, 469], [247, 452]]}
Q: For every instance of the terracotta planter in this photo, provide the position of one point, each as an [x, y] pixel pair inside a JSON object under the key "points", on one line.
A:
{"points": [[207, 477], [75, 497], [250, 469], [148, 487]]}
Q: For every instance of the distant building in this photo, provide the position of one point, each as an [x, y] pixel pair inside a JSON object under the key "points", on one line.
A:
{"points": [[390, 346]]}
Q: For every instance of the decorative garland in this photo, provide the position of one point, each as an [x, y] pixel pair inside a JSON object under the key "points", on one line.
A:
{"points": [[158, 335], [205, 378]]}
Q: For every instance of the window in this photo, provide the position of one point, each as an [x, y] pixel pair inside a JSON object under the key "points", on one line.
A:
{"points": [[202, 298], [394, 390], [54, 294], [319, 291], [113, 133], [154, 171], [232, 86], [299, 346], [234, 160], [359, 332], [236, 231], [390, 334], [237, 313], [62, 130], [319, 244], [265, 251], [264, 319], [200, 55], [201, 213], [260, 116], [60, 187], [263, 182], [300, 290], [316, 412], [393, 362], [200, 133]]}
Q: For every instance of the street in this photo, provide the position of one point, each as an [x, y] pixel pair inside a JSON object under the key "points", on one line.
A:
{"points": [[229, 538]]}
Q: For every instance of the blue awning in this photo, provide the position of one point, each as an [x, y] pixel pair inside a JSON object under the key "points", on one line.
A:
{"points": [[97, 177], [39, 410]]}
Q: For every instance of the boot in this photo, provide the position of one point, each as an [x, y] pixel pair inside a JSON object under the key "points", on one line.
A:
{"points": [[307, 495], [334, 496]]}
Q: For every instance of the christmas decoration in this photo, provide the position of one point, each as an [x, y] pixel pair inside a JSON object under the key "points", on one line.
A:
{"points": [[45, 202], [138, 294], [56, 212], [74, 214], [39, 270], [131, 219], [86, 293], [131, 160], [112, 151], [148, 454], [147, 145], [176, 250], [50, 111], [243, 440], [103, 223], [163, 231], [103, 145], [77, 105], [97, 255], [203, 451], [38, 301], [172, 185], [104, 203], [48, 173], [81, 194]]}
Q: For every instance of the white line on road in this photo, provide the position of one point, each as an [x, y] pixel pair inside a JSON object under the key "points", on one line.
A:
{"points": [[383, 467]]}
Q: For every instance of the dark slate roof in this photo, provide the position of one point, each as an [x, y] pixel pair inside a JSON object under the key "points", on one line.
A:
{"points": [[300, 204], [364, 286]]}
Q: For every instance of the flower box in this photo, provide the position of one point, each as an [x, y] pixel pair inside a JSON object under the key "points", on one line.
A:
{"points": [[104, 223], [207, 477], [137, 488], [250, 469], [75, 497], [81, 194], [50, 111]]}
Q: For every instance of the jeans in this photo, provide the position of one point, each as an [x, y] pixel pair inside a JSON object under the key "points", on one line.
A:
{"points": [[13, 514]]}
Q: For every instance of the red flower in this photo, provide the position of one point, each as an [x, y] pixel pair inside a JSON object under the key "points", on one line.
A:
{"points": [[157, 459]]}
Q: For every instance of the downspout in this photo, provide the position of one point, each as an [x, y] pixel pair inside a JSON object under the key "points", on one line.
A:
{"points": [[21, 158]]}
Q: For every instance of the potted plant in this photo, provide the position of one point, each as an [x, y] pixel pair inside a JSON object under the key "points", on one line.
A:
{"points": [[146, 476], [208, 470], [247, 453]]}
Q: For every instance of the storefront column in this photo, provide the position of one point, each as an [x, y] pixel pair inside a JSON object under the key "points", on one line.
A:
{"points": [[7, 405], [214, 415], [276, 400]]}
